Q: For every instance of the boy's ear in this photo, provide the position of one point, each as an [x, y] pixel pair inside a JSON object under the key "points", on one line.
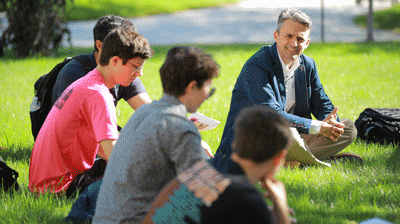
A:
{"points": [[99, 44], [114, 60], [280, 157], [190, 87]]}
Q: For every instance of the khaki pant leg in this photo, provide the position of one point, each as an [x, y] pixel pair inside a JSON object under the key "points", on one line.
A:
{"points": [[298, 151], [323, 147]]}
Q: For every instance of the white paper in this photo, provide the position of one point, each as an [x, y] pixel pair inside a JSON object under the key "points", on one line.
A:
{"points": [[202, 122]]}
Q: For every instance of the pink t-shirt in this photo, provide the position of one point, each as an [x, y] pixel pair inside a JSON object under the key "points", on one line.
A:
{"points": [[68, 141]]}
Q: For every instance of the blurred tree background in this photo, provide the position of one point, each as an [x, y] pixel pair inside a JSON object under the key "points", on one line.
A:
{"points": [[35, 27], [387, 19]]}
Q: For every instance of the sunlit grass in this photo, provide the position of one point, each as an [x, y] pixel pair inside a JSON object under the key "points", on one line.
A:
{"points": [[355, 76]]}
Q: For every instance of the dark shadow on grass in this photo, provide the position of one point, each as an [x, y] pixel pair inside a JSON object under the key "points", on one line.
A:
{"points": [[394, 161], [16, 154], [61, 53], [34, 208]]}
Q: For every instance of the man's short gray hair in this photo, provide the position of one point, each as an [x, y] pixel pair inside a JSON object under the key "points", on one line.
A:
{"points": [[295, 15]]}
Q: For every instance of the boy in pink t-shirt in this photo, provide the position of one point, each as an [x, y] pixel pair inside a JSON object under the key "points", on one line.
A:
{"points": [[82, 122]]}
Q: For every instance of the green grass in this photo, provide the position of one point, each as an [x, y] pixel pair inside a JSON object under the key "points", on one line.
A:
{"points": [[355, 76], [388, 19], [94, 9]]}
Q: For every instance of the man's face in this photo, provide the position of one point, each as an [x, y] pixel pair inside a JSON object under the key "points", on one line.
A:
{"points": [[128, 72], [291, 40], [199, 95]]}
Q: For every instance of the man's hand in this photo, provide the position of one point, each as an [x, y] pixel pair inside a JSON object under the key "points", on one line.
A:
{"points": [[332, 117], [330, 127]]}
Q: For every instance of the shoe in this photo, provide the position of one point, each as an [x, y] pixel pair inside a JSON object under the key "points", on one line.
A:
{"points": [[345, 156]]}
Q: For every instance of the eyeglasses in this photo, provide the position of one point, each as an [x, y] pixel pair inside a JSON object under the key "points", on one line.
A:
{"points": [[136, 67]]}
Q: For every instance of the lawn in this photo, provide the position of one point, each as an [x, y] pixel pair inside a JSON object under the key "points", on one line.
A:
{"points": [[355, 76], [94, 9]]}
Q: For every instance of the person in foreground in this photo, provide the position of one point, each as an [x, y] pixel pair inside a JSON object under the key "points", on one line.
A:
{"points": [[82, 122], [281, 77], [158, 141], [202, 195]]}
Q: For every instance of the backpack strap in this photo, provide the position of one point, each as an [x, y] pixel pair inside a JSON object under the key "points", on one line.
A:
{"points": [[87, 61]]}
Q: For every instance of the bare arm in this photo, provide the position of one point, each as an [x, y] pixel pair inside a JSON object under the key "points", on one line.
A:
{"points": [[105, 148], [138, 100]]}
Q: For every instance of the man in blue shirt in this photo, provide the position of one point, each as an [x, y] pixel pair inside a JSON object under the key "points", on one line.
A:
{"points": [[281, 77]]}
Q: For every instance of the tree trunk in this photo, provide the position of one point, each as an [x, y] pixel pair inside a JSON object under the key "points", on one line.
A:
{"points": [[35, 26], [370, 20], [322, 21]]}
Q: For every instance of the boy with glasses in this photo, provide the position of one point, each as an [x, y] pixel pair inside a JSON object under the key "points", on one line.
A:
{"points": [[82, 122], [158, 141]]}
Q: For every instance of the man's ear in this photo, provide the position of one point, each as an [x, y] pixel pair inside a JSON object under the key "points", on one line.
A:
{"points": [[276, 35], [99, 44], [307, 43]]}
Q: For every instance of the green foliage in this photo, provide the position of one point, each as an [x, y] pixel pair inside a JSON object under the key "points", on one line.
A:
{"points": [[93, 10], [355, 76], [388, 19], [38, 27], [35, 27]]}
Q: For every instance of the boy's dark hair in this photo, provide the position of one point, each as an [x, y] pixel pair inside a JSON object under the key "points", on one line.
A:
{"points": [[183, 65], [260, 133], [107, 23], [125, 43]]}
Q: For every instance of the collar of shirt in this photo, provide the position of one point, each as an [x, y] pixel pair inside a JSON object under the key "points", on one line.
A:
{"points": [[234, 168], [288, 73], [178, 105]]}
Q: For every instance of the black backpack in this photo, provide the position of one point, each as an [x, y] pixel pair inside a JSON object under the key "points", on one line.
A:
{"points": [[44, 89], [8, 178], [379, 125]]}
